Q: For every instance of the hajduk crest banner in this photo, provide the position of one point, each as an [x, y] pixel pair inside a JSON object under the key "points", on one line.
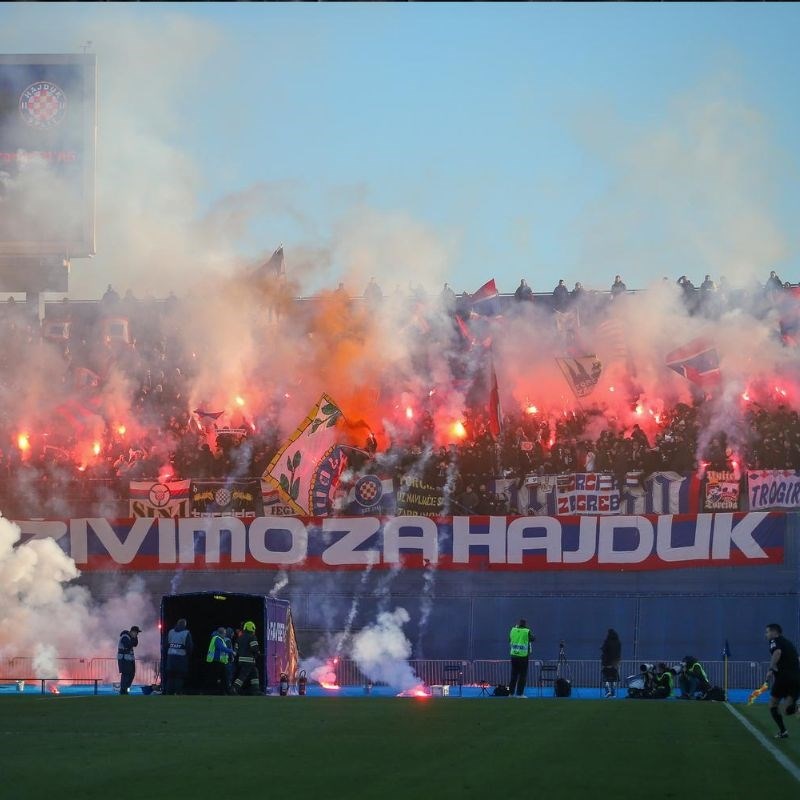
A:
{"points": [[307, 469]]}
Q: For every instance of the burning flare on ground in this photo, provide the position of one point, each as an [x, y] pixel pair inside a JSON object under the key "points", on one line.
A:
{"points": [[417, 691]]}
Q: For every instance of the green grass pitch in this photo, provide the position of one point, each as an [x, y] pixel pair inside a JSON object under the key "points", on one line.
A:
{"points": [[147, 748]]}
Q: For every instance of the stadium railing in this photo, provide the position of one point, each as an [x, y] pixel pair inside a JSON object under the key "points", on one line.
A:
{"points": [[476, 672]]}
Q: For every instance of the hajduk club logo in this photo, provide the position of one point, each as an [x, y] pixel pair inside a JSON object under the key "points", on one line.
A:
{"points": [[43, 105]]}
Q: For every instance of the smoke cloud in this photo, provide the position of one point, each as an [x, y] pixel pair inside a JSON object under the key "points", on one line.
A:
{"points": [[45, 616]]}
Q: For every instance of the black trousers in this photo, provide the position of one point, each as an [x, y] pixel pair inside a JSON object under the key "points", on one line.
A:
{"points": [[127, 672], [519, 674]]}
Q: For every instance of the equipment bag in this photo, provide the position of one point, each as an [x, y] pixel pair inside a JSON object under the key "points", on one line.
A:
{"points": [[563, 688], [500, 690]]}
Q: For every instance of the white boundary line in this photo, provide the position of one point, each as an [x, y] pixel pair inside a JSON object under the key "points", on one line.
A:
{"points": [[783, 760]]}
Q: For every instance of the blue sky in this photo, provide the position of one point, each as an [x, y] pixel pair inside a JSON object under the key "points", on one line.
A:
{"points": [[540, 140]]}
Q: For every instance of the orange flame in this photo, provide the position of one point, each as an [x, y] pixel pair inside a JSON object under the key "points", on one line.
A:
{"points": [[531, 409], [96, 448], [54, 689], [409, 412], [239, 400], [458, 430], [24, 442], [416, 691]]}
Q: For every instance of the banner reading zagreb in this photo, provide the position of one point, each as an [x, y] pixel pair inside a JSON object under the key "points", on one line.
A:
{"points": [[586, 493], [622, 543], [773, 489]]}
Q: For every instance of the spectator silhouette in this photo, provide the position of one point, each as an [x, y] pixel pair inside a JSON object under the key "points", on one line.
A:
{"points": [[560, 296], [523, 292]]}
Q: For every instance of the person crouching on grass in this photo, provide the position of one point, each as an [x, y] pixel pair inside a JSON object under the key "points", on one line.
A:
{"points": [[784, 671]]}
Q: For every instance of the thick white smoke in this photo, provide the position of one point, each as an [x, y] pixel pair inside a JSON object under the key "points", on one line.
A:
{"points": [[45, 616], [382, 650]]}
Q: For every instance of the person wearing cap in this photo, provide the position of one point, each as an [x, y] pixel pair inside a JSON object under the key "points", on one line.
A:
{"points": [[249, 651], [126, 660]]}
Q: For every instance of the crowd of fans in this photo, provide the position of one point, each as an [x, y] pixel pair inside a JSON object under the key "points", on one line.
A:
{"points": [[164, 438]]}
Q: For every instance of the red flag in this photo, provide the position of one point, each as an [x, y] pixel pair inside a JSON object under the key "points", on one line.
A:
{"points": [[486, 301], [697, 361], [465, 331], [486, 292]]}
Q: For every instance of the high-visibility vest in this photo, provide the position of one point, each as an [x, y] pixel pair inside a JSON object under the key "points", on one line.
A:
{"points": [[212, 649], [697, 670], [520, 641]]}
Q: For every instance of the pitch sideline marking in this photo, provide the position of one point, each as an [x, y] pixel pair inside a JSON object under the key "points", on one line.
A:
{"points": [[783, 760]]}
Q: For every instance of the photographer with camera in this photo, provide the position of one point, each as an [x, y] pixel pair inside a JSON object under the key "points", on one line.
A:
{"points": [[664, 682], [693, 681]]}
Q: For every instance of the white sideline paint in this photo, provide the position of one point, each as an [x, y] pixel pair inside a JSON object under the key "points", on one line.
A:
{"points": [[785, 762]]}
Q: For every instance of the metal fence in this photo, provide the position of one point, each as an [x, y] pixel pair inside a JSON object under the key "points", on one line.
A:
{"points": [[741, 674], [74, 669]]}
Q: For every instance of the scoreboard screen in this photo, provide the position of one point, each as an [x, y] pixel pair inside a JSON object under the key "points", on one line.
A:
{"points": [[47, 155]]}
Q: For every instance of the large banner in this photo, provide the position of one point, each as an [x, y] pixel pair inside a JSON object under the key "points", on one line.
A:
{"points": [[306, 470], [589, 493], [621, 543], [47, 154], [773, 489], [155, 499], [226, 498]]}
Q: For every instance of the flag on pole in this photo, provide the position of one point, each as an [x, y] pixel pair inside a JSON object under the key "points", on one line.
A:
{"points": [[582, 374], [726, 650], [307, 469], [275, 266], [495, 412], [697, 361], [486, 300]]}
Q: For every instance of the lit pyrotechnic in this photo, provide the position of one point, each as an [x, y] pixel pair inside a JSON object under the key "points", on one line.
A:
{"points": [[458, 430]]}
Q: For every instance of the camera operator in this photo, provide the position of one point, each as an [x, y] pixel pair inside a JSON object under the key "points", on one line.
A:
{"points": [[693, 681], [664, 681], [641, 686]]}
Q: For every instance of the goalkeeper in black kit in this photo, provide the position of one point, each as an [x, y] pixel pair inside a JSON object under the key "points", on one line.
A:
{"points": [[784, 671]]}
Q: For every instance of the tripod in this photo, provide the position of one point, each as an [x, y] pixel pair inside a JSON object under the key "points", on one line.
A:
{"points": [[562, 665]]}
